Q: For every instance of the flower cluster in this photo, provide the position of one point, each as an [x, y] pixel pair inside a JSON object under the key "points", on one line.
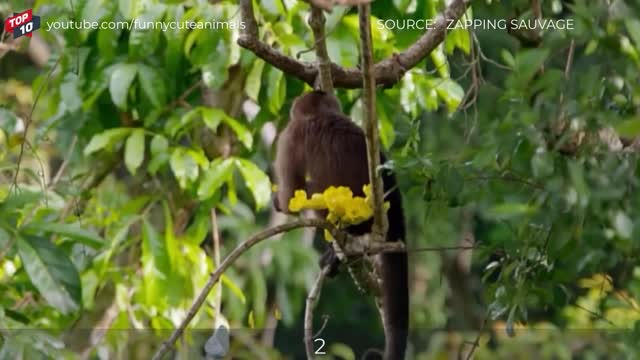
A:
{"points": [[344, 208]]}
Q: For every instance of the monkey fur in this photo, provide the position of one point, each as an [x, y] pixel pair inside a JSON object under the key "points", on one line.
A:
{"points": [[321, 147]]}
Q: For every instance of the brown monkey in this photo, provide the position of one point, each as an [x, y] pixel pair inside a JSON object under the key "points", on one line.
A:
{"points": [[321, 147]]}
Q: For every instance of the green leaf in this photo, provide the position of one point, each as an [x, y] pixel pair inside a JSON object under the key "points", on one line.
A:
{"points": [[143, 43], [107, 42], [254, 80], [235, 290], [159, 145], [69, 92], [152, 84], [449, 91], [134, 150], [629, 128], [218, 172], [184, 167], [5, 240], [623, 225], [633, 27], [257, 182], [276, 90], [73, 231], [159, 153], [52, 273], [509, 210], [157, 248], [212, 117], [120, 82], [542, 164], [342, 351], [105, 139], [240, 130], [128, 8], [440, 61], [510, 322], [529, 61], [273, 7]]}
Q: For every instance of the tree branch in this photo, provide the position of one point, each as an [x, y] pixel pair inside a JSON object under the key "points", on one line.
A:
{"points": [[316, 22], [312, 301], [230, 259], [380, 224], [387, 72]]}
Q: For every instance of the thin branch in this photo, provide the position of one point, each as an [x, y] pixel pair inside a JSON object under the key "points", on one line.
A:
{"points": [[215, 234], [312, 300], [65, 162], [325, 321], [228, 261], [380, 224], [387, 72], [30, 120], [316, 22], [595, 314], [476, 342]]}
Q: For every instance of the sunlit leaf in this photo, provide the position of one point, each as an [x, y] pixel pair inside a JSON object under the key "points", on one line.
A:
{"points": [[214, 177], [276, 90], [153, 84], [73, 231], [629, 128], [235, 290], [241, 131], [509, 210], [184, 167], [134, 150], [254, 80], [105, 139], [257, 182], [121, 79], [51, 272]]}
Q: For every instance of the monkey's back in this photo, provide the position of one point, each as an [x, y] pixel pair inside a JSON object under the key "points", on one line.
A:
{"points": [[335, 150]]}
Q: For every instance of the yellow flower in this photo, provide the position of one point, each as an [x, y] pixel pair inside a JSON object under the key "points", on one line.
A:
{"points": [[366, 189], [317, 202], [327, 235], [298, 201], [343, 208]]}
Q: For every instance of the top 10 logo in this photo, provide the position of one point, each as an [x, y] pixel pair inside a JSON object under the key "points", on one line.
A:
{"points": [[23, 23]]}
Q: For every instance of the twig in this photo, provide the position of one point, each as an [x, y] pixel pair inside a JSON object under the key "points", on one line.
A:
{"points": [[380, 224], [312, 300], [215, 234], [476, 342], [65, 162], [30, 120], [596, 315], [226, 263], [181, 100], [325, 321], [387, 72], [316, 22]]}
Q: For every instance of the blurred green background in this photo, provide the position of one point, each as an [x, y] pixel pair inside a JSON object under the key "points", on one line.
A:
{"points": [[115, 144]]}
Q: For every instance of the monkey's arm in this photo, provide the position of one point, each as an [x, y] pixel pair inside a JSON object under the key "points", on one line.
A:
{"points": [[290, 170]]}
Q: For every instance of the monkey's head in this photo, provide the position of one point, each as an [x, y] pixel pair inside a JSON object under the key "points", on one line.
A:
{"points": [[313, 103]]}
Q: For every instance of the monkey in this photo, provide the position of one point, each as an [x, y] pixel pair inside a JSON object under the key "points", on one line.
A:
{"points": [[322, 147]]}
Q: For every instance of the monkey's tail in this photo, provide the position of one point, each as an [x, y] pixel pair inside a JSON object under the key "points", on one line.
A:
{"points": [[395, 297]]}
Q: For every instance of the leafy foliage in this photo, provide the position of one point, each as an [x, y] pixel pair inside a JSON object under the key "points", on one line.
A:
{"points": [[107, 186]]}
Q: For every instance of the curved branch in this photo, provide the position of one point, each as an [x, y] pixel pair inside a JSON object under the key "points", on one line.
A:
{"points": [[387, 72], [226, 263], [312, 301]]}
